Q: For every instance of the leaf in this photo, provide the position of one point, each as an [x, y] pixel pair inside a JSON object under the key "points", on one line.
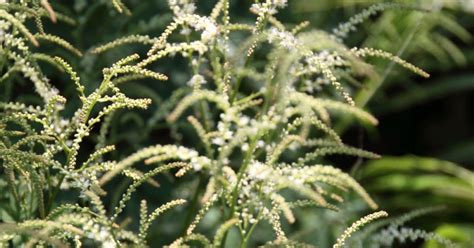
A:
{"points": [[432, 91], [460, 233], [417, 174]]}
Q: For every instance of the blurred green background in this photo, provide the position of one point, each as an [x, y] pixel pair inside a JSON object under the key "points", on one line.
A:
{"points": [[426, 130]]}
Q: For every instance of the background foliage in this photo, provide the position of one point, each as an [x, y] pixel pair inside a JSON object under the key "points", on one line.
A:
{"points": [[426, 126]]}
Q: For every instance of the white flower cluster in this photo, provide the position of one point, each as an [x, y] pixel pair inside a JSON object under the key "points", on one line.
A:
{"points": [[314, 86], [246, 215], [183, 48], [317, 64], [282, 38], [250, 201], [199, 162], [196, 81], [100, 233], [205, 24], [222, 139], [258, 170], [224, 126], [59, 125], [184, 15], [270, 7], [183, 154], [330, 58], [324, 57], [368, 51], [280, 3], [4, 240], [266, 123], [29, 71], [77, 180], [4, 26], [182, 7]]}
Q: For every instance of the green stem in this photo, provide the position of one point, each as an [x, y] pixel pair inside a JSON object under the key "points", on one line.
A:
{"points": [[194, 204], [53, 195], [240, 175], [55, 191], [238, 81], [366, 93], [248, 234]]}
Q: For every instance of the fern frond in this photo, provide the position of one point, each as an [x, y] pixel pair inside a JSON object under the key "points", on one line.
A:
{"points": [[402, 235], [59, 41], [17, 23], [204, 209], [345, 28], [318, 124], [221, 102], [310, 203], [364, 52], [47, 6], [395, 221], [95, 200], [331, 105], [74, 77], [120, 7], [194, 46], [141, 39], [222, 230], [284, 206], [137, 70], [46, 58], [137, 183], [356, 225], [193, 237], [98, 154], [344, 177], [146, 224], [346, 150], [274, 218], [287, 243], [279, 149]]}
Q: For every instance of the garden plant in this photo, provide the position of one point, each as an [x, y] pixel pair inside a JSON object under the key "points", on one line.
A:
{"points": [[211, 124]]}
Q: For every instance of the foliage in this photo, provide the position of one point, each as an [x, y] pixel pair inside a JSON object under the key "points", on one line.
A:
{"points": [[260, 101]]}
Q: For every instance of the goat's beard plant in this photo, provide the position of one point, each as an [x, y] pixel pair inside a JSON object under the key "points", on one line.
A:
{"points": [[243, 133]]}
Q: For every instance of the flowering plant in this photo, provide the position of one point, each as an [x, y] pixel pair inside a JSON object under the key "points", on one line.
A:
{"points": [[263, 129]]}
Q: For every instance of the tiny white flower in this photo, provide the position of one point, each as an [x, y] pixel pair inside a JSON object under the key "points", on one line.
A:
{"points": [[196, 80], [185, 31], [228, 135], [244, 120], [258, 170], [245, 147], [210, 31], [218, 141]]}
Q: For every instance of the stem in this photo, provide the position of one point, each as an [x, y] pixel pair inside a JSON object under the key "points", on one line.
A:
{"points": [[240, 175], [250, 231], [53, 195], [193, 206], [55, 191], [239, 81], [366, 93]]}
